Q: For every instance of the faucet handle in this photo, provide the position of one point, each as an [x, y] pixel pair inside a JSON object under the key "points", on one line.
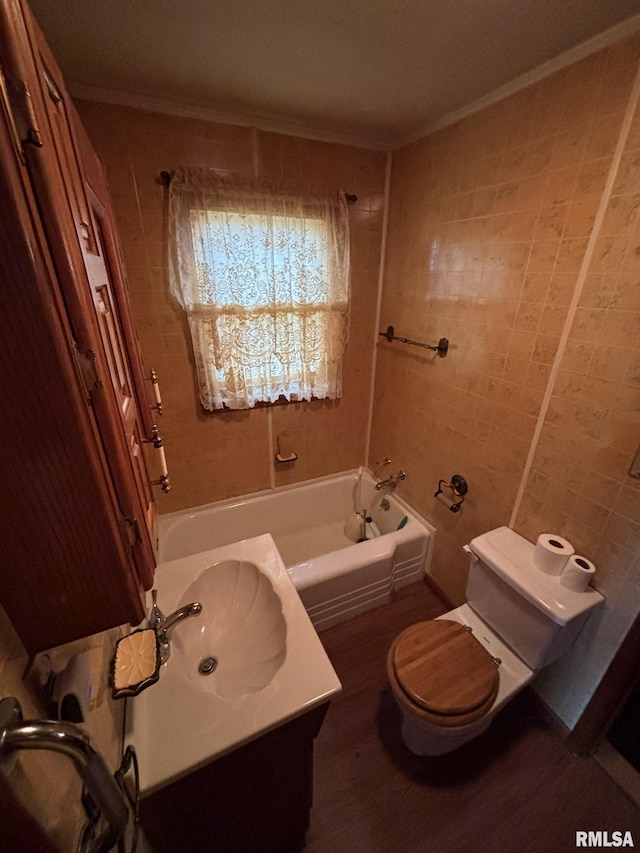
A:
{"points": [[156, 616]]}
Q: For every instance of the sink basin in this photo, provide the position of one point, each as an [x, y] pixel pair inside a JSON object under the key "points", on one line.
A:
{"points": [[263, 662], [239, 641]]}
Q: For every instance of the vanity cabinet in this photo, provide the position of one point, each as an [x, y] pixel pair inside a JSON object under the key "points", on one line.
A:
{"points": [[257, 797], [78, 516]]}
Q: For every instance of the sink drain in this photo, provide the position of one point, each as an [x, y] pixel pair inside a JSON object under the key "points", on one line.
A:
{"points": [[207, 666]]}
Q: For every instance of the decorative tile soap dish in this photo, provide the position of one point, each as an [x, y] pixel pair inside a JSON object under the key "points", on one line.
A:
{"points": [[136, 663]]}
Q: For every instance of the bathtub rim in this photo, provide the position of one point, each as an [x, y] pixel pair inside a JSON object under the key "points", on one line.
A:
{"points": [[165, 520]]}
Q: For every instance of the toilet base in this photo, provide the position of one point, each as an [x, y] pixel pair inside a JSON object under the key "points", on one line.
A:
{"points": [[424, 743]]}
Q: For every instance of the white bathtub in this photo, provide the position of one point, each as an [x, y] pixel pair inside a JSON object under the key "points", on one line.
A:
{"points": [[335, 578]]}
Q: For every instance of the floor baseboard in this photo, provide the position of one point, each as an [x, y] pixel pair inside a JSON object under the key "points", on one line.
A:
{"points": [[618, 768]]}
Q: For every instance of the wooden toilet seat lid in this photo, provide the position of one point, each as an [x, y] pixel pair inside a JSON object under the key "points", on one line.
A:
{"points": [[443, 668]]}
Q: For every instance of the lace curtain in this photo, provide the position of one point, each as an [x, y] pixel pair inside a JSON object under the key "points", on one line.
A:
{"points": [[263, 275]]}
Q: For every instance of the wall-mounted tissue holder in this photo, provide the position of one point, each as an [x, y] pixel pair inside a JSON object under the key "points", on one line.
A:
{"points": [[458, 489]]}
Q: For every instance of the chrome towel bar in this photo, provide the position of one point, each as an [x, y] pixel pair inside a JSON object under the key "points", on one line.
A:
{"points": [[442, 347]]}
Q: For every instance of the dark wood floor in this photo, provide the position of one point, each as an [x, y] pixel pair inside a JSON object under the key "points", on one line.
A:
{"points": [[515, 788]]}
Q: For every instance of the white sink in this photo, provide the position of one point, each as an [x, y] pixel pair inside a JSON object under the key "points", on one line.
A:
{"points": [[240, 635], [270, 666]]}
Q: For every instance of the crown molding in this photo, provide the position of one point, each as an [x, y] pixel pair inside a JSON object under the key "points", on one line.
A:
{"points": [[158, 105], [614, 34]]}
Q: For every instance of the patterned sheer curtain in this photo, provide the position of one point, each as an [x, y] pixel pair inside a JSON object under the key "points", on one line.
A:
{"points": [[263, 275]]}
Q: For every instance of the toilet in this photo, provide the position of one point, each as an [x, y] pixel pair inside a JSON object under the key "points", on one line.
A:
{"points": [[450, 676]]}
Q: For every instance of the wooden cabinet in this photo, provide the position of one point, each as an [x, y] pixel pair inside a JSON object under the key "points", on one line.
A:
{"points": [[78, 517], [257, 797]]}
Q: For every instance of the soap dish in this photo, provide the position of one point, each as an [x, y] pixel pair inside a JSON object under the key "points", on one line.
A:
{"points": [[136, 663]]}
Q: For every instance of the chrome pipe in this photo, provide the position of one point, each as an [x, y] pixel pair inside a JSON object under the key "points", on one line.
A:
{"points": [[73, 742]]}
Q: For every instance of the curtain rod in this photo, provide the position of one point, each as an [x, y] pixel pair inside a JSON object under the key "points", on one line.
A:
{"points": [[165, 177]]}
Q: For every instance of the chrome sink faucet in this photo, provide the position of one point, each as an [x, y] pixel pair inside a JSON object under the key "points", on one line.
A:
{"points": [[162, 624]]}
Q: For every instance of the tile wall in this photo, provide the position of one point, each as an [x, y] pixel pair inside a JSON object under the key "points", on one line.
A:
{"points": [[491, 243], [224, 454]]}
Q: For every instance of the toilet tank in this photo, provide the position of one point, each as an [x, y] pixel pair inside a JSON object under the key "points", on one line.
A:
{"points": [[531, 611]]}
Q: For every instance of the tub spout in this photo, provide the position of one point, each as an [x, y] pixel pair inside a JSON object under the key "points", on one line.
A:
{"points": [[391, 482], [166, 623]]}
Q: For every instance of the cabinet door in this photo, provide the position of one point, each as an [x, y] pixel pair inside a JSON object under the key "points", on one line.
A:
{"points": [[65, 570], [139, 505], [105, 272], [95, 292], [74, 482]]}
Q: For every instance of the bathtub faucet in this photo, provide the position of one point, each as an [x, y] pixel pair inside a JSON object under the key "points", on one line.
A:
{"points": [[163, 624], [391, 482]]}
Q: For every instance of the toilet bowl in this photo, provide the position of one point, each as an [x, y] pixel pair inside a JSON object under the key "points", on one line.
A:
{"points": [[425, 734], [451, 676]]}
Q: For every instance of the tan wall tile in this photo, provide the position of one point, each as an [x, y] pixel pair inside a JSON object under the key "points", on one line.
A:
{"points": [[220, 455], [533, 171]]}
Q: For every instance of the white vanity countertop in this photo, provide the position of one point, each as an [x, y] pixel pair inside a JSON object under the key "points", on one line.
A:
{"points": [[177, 728]]}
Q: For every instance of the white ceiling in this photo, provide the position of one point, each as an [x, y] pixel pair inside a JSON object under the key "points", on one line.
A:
{"points": [[376, 72]]}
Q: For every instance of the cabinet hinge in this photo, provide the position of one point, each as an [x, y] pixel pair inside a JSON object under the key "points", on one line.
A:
{"points": [[19, 105], [6, 107], [131, 530], [88, 370], [32, 135]]}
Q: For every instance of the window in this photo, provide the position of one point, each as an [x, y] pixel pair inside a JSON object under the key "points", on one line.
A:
{"points": [[263, 275]]}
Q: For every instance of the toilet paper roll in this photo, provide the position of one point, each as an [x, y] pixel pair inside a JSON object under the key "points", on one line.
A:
{"points": [[551, 553], [577, 573], [445, 500], [450, 503]]}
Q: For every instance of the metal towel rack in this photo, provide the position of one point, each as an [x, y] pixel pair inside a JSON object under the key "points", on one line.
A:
{"points": [[442, 347], [16, 734]]}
